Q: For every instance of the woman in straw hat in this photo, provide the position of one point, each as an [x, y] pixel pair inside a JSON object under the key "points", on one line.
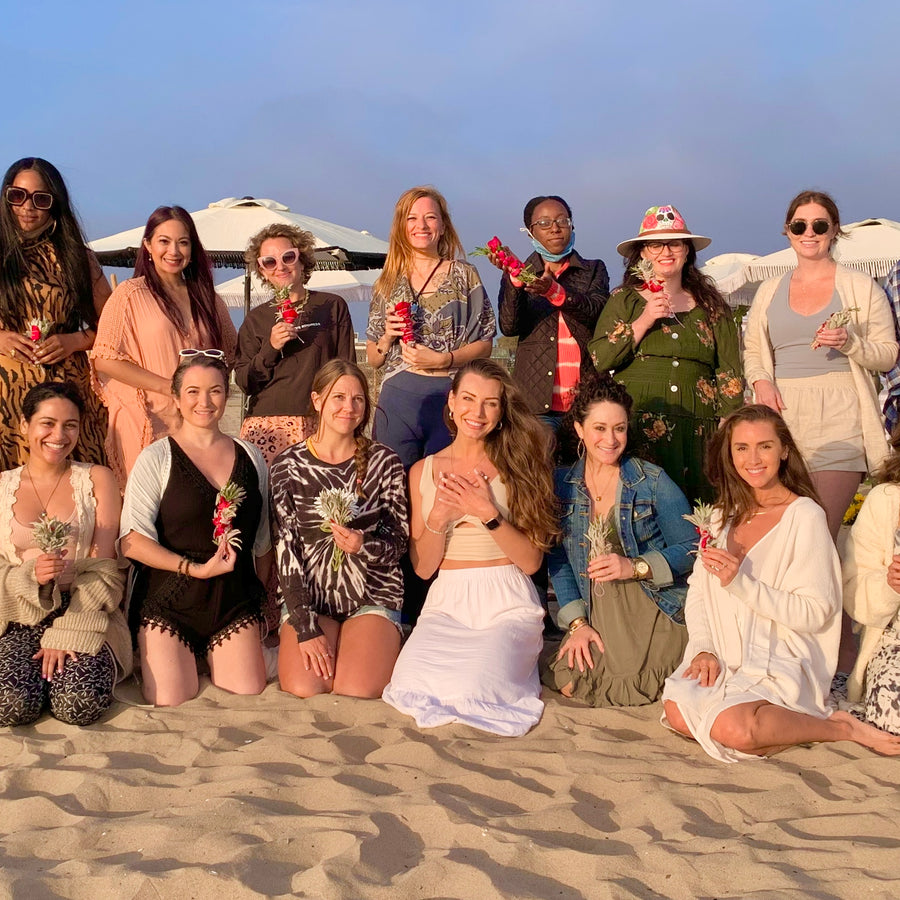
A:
{"points": [[669, 337]]}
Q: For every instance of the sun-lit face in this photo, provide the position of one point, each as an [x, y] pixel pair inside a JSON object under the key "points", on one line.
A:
{"points": [[757, 454], [170, 248], [604, 432], [203, 396], [342, 409], [424, 225], [810, 245], [668, 257], [555, 236], [28, 218], [52, 431], [477, 406], [284, 273]]}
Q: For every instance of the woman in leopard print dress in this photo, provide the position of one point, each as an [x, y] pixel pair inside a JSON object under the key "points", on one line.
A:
{"points": [[51, 292]]}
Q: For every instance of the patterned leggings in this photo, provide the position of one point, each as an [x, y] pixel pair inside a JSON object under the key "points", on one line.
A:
{"points": [[79, 694]]}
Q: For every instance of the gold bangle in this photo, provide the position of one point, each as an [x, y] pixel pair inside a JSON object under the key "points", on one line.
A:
{"points": [[576, 623]]}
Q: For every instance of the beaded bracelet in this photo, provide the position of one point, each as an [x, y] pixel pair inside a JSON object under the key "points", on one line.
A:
{"points": [[441, 533]]}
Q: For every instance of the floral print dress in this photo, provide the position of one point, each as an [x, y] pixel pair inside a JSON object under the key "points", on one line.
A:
{"points": [[684, 375]]}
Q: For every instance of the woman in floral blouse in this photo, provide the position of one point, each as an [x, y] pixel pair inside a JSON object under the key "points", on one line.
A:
{"points": [[669, 337]]}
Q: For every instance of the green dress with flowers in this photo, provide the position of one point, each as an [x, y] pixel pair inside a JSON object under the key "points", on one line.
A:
{"points": [[684, 375]]}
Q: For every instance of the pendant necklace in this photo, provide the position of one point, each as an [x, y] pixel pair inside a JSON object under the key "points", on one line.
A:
{"points": [[41, 503]]}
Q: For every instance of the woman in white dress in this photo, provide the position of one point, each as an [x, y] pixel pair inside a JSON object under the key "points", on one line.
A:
{"points": [[483, 513], [763, 607]]}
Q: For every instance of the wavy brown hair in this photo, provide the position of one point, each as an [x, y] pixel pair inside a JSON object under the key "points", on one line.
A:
{"points": [[734, 497], [400, 252], [323, 384], [823, 200], [304, 241], [702, 288], [889, 471], [520, 448]]}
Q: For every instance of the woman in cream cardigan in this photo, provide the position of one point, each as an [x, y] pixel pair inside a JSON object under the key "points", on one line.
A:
{"points": [[821, 379], [871, 566]]}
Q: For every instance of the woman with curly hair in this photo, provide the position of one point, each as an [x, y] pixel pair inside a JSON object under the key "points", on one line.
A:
{"points": [[429, 315], [483, 514], [669, 337], [340, 580], [282, 344], [763, 607], [52, 291], [170, 305]]}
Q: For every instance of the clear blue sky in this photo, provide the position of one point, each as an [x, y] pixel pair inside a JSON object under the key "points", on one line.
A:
{"points": [[724, 109]]}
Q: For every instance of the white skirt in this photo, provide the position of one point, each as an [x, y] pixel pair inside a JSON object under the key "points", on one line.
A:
{"points": [[472, 657]]}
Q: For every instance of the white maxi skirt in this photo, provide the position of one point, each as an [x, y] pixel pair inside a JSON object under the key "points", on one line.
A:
{"points": [[472, 657]]}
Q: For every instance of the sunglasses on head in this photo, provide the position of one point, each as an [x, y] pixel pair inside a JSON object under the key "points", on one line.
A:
{"points": [[190, 352], [819, 226], [16, 196], [288, 258]]}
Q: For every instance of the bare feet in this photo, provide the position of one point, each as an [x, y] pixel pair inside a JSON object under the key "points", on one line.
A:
{"points": [[868, 735]]}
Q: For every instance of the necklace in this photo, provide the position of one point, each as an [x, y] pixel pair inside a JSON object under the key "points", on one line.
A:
{"points": [[482, 458], [765, 509], [599, 496], [41, 503]]}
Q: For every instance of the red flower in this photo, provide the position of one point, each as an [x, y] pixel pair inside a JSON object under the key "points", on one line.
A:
{"points": [[35, 333], [654, 286], [494, 244], [289, 315], [648, 223]]}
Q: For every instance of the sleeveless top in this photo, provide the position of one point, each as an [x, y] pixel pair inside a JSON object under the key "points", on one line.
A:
{"points": [[466, 543]]}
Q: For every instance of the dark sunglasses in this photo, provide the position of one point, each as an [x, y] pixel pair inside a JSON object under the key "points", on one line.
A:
{"points": [[288, 258], [819, 226], [16, 196]]}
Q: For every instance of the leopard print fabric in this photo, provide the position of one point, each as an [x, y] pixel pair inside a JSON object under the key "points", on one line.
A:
{"points": [[882, 704]]}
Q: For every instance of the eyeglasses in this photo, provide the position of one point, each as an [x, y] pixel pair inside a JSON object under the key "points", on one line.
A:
{"points": [[288, 258], [657, 247], [190, 353], [561, 222], [819, 226], [16, 196]]}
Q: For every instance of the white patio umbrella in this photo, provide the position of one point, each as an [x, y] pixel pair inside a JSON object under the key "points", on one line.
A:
{"points": [[727, 270], [353, 286]]}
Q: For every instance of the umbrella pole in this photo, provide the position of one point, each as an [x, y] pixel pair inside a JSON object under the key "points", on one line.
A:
{"points": [[246, 313]]}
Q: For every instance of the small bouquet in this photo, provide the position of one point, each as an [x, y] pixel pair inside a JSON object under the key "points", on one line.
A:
{"points": [[38, 329], [839, 319], [227, 502], [403, 308], [598, 534], [516, 268], [50, 534], [335, 505], [701, 518], [284, 310], [649, 282]]}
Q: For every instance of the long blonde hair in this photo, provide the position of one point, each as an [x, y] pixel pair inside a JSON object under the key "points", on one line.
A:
{"points": [[520, 448], [400, 252]]}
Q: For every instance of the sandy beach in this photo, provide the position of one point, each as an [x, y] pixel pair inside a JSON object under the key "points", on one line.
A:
{"points": [[338, 798]]}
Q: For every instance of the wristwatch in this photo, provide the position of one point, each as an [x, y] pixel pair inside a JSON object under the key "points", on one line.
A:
{"points": [[640, 569], [492, 524]]}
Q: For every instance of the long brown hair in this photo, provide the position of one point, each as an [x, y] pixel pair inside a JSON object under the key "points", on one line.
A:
{"points": [[323, 384], [734, 497], [400, 252], [520, 448]]}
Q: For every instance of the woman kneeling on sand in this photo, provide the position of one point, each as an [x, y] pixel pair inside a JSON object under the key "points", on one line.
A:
{"points": [[763, 606]]}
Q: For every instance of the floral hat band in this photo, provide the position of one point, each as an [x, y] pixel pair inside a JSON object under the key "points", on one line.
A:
{"points": [[663, 223]]}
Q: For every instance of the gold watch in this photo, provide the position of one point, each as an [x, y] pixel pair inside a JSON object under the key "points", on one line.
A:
{"points": [[640, 569]]}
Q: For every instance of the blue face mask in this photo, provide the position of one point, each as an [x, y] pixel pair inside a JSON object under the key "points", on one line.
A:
{"points": [[545, 253]]}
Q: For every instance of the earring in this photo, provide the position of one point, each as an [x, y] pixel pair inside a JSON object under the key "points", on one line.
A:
{"points": [[451, 415], [580, 448], [499, 426]]}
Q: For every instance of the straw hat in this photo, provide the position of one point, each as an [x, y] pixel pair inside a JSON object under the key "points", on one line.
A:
{"points": [[663, 223]]}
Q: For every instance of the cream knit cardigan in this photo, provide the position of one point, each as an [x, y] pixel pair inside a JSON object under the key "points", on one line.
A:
{"points": [[871, 347]]}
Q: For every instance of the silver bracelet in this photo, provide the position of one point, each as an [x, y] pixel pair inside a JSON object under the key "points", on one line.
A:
{"points": [[441, 533]]}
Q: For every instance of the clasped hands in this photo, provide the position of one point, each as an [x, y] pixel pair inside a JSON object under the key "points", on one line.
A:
{"points": [[462, 495]]}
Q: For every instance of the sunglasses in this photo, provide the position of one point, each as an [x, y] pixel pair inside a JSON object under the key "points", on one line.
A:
{"points": [[190, 352], [16, 196], [819, 226], [288, 258]]}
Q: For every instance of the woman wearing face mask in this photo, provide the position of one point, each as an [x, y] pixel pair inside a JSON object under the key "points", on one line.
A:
{"points": [[52, 291], [553, 317], [282, 344], [168, 306], [669, 337]]}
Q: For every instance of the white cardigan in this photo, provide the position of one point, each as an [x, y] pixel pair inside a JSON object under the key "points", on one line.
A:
{"points": [[867, 598], [871, 347]]}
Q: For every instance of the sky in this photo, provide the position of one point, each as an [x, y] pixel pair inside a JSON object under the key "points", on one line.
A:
{"points": [[725, 110]]}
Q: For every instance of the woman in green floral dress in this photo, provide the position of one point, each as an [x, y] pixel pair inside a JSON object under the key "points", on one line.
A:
{"points": [[670, 338]]}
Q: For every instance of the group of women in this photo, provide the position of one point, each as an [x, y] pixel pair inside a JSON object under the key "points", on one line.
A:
{"points": [[457, 488]]}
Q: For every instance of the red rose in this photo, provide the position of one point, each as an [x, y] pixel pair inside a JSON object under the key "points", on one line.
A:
{"points": [[289, 315], [35, 333], [655, 287], [494, 244], [648, 223]]}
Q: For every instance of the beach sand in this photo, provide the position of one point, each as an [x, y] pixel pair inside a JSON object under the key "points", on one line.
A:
{"points": [[274, 796]]}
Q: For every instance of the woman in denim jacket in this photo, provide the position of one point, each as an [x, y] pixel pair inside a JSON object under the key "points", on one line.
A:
{"points": [[622, 603]]}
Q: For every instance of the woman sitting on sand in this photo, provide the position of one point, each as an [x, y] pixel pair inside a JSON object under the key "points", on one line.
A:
{"points": [[872, 596], [483, 513], [62, 632], [763, 607], [620, 574], [188, 599], [340, 577]]}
